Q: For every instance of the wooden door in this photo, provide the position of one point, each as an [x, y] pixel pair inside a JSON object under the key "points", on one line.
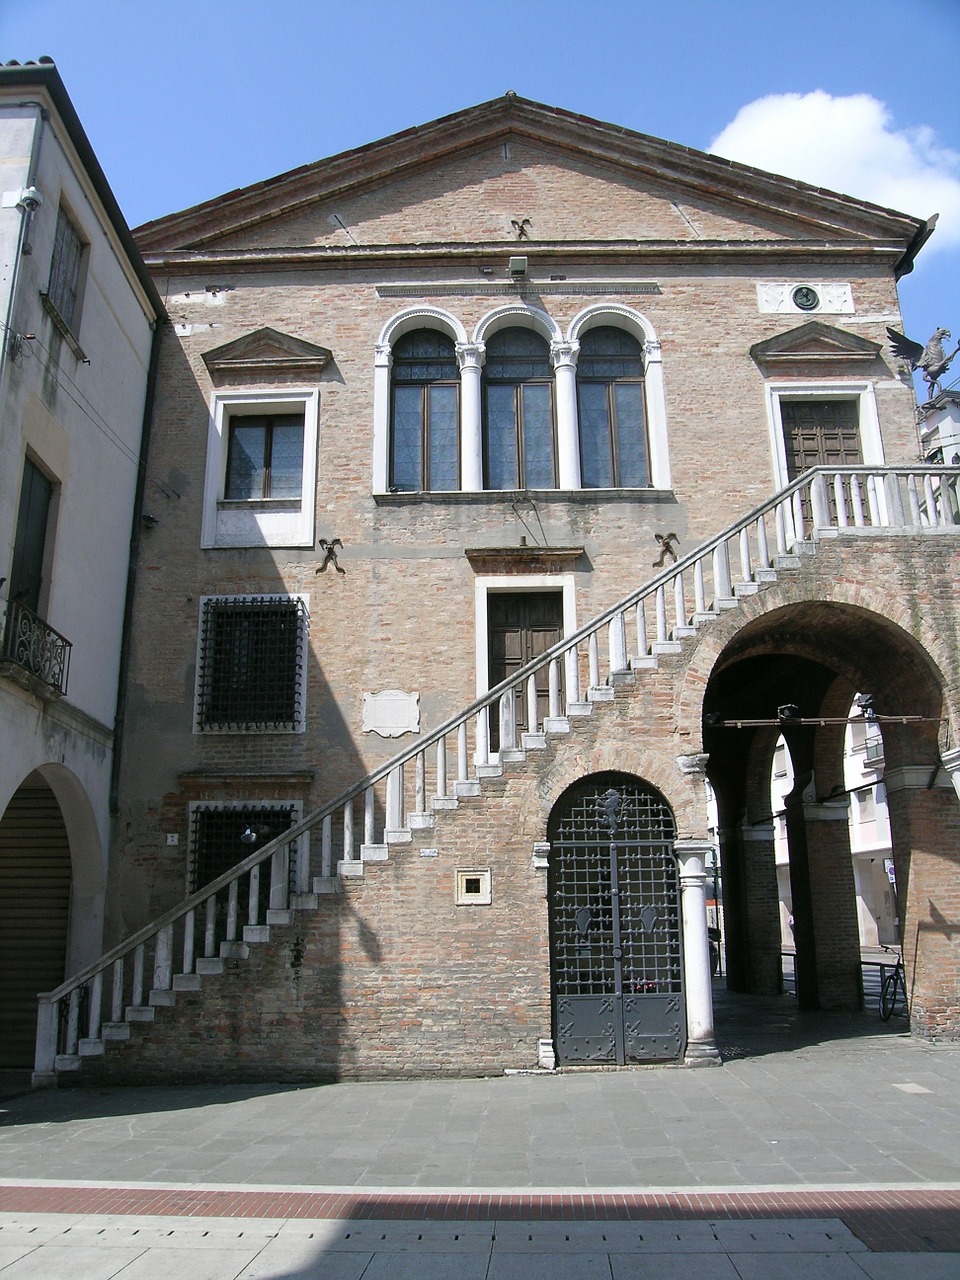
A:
{"points": [[820, 433], [521, 626]]}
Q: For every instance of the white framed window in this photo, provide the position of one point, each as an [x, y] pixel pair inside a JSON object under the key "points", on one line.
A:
{"points": [[252, 664], [261, 475]]}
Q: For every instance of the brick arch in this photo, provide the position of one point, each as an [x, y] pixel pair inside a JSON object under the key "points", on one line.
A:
{"points": [[863, 635], [613, 752]]}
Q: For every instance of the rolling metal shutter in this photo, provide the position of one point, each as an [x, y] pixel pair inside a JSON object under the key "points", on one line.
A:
{"points": [[34, 912]]}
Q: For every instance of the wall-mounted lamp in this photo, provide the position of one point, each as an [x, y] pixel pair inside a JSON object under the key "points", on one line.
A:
{"points": [[789, 711]]}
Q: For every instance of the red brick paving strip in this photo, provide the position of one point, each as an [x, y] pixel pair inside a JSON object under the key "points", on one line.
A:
{"points": [[909, 1221]]}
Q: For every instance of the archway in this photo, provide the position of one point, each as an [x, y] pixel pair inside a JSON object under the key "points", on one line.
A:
{"points": [[615, 924], [794, 672], [35, 895]]}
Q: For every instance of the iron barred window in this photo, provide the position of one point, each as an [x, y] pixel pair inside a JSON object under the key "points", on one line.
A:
{"points": [[217, 831], [64, 286], [251, 663]]}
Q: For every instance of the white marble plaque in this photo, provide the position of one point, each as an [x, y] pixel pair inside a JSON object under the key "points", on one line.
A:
{"points": [[391, 713]]}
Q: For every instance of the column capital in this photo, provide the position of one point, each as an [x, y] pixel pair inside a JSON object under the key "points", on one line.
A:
{"points": [[564, 354], [383, 355], [471, 355], [924, 777], [692, 856], [695, 766], [756, 832]]}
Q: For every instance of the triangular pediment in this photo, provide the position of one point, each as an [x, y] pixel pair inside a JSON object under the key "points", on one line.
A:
{"points": [[471, 177], [265, 353], [815, 343]]}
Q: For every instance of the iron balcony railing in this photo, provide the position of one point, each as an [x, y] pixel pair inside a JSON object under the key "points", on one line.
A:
{"points": [[34, 646], [450, 761]]}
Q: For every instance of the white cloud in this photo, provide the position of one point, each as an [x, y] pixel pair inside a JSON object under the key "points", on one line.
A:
{"points": [[849, 145]]}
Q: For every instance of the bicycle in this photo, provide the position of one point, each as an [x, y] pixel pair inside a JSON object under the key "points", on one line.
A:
{"points": [[893, 991]]}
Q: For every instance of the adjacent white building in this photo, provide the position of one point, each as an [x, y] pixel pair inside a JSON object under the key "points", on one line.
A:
{"points": [[78, 313]]}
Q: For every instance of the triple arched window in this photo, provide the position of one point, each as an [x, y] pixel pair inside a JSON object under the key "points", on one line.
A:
{"points": [[513, 411]]}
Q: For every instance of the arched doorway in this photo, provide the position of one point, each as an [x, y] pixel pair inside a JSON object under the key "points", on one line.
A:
{"points": [[616, 951], [793, 675], [35, 886]]}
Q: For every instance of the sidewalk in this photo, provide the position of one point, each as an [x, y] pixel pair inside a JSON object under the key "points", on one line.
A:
{"points": [[826, 1145]]}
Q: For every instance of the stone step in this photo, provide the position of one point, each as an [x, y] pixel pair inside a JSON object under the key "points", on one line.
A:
{"points": [[601, 693], [139, 1013], [234, 951], [66, 1062], [115, 1031], [209, 966], [162, 999], [579, 709], [186, 982], [256, 933], [90, 1048]]}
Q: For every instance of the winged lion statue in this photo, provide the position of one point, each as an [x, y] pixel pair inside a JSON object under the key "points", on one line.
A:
{"points": [[931, 359]]}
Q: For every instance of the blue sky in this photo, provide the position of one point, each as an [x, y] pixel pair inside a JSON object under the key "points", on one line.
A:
{"points": [[185, 99]]}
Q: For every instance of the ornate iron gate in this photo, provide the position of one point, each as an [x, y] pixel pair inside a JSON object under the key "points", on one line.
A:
{"points": [[615, 933]]}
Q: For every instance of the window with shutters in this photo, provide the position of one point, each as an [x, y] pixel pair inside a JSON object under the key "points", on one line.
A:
{"points": [[66, 271]]}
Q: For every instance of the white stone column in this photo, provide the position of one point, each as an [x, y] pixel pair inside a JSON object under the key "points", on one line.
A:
{"points": [[564, 356], [656, 416], [691, 855], [470, 357], [382, 360]]}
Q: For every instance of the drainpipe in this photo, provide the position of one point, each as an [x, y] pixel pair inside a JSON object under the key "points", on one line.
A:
{"points": [[136, 532]]}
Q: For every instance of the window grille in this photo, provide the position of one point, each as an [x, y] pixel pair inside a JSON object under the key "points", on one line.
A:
{"points": [[216, 831], [65, 268], [251, 663]]}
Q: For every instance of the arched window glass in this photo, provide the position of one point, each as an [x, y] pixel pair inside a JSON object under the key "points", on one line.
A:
{"points": [[518, 429], [613, 436], [424, 431]]}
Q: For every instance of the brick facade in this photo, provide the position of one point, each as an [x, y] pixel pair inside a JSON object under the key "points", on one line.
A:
{"points": [[389, 976]]}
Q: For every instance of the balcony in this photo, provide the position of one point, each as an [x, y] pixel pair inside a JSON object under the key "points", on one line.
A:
{"points": [[34, 655]]}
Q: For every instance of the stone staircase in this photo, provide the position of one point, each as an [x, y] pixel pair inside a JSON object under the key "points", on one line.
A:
{"points": [[224, 924]]}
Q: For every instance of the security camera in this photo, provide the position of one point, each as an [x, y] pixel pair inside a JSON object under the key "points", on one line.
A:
{"points": [[31, 199]]}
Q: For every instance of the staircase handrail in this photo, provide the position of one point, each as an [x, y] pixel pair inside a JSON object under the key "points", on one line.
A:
{"points": [[425, 741]]}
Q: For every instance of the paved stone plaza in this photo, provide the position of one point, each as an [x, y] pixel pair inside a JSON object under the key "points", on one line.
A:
{"points": [[823, 1146]]}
